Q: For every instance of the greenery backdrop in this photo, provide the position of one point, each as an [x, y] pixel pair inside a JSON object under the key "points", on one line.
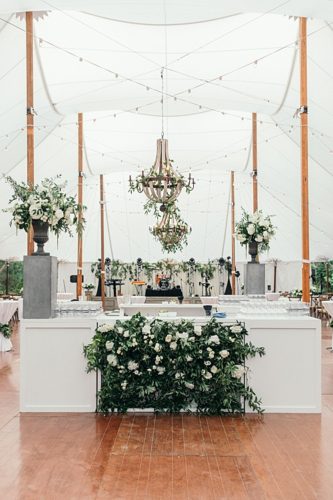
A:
{"points": [[172, 366]]}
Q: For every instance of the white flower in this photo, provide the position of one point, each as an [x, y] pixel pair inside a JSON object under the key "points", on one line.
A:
{"points": [[146, 329], [124, 385], [119, 350], [157, 347], [59, 213], [224, 353], [35, 212], [136, 372], [239, 371], [211, 355], [208, 363], [160, 370], [241, 238], [265, 235], [120, 329], [236, 329], [214, 339], [168, 338], [109, 345], [126, 333], [173, 345], [112, 359], [214, 369], [251, 229], [258, 238], [183, 336], [189, 385], [132, 365], [208, 375], [197, 330], [189, 358], [178, 375], [104, 328], [157, 360]]}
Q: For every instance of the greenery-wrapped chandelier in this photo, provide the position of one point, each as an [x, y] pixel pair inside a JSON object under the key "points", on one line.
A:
{"points": [[161, 184], [171, 231]]}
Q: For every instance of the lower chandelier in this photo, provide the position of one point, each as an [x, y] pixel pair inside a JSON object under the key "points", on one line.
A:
{"points": [[171, 232]]}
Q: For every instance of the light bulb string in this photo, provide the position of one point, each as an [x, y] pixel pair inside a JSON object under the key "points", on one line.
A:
{"points": [[162, 102]]}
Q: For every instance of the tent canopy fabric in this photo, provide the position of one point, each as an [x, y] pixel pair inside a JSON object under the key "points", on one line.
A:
{"points": [[229, 59]]}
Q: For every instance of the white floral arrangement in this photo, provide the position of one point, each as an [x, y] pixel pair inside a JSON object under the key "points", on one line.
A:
{"points": [[172, 366], [47, 202], [255, 228]]}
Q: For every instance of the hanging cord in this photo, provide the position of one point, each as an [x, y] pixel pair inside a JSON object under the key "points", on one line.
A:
{"points": [[162, 102]]}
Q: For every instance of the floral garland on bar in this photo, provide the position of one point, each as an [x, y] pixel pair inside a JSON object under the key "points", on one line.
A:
{"points": [[172, 366]]}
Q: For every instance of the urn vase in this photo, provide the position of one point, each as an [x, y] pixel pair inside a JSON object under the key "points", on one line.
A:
{"points": [[41, 235], [253, 251]]}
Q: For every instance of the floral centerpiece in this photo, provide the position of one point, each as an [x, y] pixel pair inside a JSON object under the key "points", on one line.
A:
{"points": [[172, 366], [255, 231], [44, 206]]}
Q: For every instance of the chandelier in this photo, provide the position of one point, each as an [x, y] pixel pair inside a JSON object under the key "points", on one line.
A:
{"points": [[161, 184], [171, 231]]}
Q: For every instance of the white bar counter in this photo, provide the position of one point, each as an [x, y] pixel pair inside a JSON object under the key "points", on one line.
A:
{"points": [[53, 367], [54, 378]]}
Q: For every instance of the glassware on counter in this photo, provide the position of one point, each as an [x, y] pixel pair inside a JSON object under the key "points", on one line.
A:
{"points": [[85, 309]]}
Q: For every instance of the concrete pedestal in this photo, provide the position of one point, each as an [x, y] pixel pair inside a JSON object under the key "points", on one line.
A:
{"points": [[255, 279], [40, 287]]}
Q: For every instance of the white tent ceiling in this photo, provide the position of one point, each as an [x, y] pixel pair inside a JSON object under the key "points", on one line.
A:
{"points": [[216, 73]]}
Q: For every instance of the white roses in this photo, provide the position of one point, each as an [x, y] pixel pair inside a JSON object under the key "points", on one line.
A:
{"points": [[224, 353], [236, 329], [168, 338], [112, 359], [173, 346], [197, 330], [109, 345], [214, 339], [251, 229], [132, 365], [238, 371]]}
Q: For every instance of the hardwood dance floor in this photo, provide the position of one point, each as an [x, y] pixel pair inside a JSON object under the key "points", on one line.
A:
{"points": [[46, 457]]}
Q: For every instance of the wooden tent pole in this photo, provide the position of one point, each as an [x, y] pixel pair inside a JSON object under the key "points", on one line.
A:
{"points": [[101, 202], [233, 243], [254, 162], [29, 33], [304, 159], [80, 202]]}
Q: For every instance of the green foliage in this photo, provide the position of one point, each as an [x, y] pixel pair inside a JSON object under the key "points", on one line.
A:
{"points": [[322, 273], [6, 330], [15, 277], [172, 366]]}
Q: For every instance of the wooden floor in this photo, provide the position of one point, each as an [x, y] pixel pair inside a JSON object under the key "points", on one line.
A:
{"points": [[147, 457]]}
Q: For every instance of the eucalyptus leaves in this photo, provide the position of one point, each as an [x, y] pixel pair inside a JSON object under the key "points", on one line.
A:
{"points": [[172, 366], [48, 203]]}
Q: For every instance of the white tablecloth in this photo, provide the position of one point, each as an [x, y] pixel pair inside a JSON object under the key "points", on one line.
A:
{"points": [[7, 310], [5, 344]]}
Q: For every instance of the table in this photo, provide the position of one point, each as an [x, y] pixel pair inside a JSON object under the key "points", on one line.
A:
{"points": [[170, 292], [287, 378], [7, 310]]}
